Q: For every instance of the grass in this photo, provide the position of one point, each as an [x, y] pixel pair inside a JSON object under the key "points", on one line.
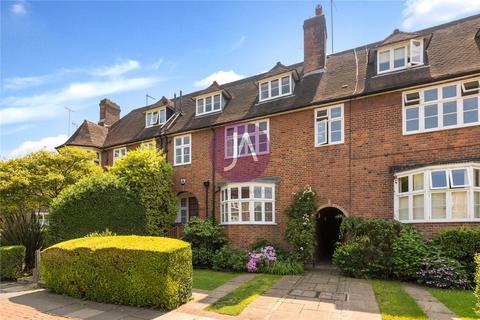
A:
{"points": [[234, 302], [460, 302], [208, 279], [395, 303]]}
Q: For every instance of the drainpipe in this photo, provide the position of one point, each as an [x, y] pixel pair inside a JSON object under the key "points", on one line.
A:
{"points": [[214, 184], [206, 184]]}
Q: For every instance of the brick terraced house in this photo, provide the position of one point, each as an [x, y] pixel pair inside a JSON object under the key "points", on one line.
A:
{"points": [[386, 130]]}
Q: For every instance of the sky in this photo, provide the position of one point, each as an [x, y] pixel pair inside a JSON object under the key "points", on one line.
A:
{"points": [[64, 54]]}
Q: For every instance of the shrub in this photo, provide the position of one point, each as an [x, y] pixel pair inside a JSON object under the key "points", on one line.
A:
{"points": [[94, 204], [477, 281], [11, 262], [408, 250], [439, 272], [283, 267], [206, 238], [300, 229], [461, 244], [367, 252], [258, 260], [25, 230], [229, 259], [131, 270], [147, 173], [105, 233]]}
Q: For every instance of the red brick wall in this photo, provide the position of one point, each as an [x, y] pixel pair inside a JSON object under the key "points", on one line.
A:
{"points": [[353, 176]]}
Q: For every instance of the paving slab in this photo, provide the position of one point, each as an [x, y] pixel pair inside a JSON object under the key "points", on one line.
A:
{"points": [[434, 309]]}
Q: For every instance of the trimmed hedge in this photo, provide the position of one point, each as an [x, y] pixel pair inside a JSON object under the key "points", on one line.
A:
{"points": [[131, 270], [477, 281], [12, 259], [93, 205], [461, 244]]}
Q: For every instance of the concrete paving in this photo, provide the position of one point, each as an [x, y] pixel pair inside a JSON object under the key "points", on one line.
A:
{"points": [[433, 308]]}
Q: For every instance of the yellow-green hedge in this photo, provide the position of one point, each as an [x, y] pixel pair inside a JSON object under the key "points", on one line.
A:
{"points": [[132, 270], [12, 259]]}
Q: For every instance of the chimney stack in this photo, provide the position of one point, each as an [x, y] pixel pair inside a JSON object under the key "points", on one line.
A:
{"points": [[109, 113], [314, 42]]}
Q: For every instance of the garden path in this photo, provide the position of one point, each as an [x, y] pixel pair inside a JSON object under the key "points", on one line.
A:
{"points": [[433, 308]]}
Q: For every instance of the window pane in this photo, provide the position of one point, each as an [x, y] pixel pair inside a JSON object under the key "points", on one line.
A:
{"points": [[450, 113], [268, 211], [245, 212], [245, 192], [439, 209], [268, 193], [416, 52], [412, 119], [262, 125], [321, 114], [439, 179], [476, 177], [459, 205], [264, 91], [431, 116], [399, 57], [234, 193], [403, 208], [384, 61], [285, 85], [257, 192], [178, 158], [418, 207], [476, 204], [216, 102], [470, 110], [336, 112], [449, 92], [430, 95], [234, 212], [200, 106], [208, 104], [403, 184], [186, 158], [459, 177], [322, 132], [163, 116], [274, 88], [258, 211], [336, 131], [418, 182]]}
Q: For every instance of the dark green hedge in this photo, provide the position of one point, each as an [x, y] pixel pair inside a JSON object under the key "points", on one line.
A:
{"points": [[92, 205], [12, 259], [477, 281], [131, 270], [461, 244]]}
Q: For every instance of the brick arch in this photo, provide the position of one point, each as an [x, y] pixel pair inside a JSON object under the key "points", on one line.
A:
{"points": [[330, 205]]}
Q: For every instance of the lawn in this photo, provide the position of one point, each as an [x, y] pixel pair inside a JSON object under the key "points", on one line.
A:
{"points": [[208, 279], [395, 303], [234, 302], [460, 302]]}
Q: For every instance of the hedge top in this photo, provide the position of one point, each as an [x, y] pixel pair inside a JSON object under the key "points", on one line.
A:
{"points": [[142, 243], [15, 247]]}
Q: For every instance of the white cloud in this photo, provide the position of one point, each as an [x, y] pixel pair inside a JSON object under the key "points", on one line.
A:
{"points": [[16, 129], [48, 143], [156, 65], [239, 43], [220, 77], [19, 8], [50, 104], [25, 82], [425, 13], [117, 69]]}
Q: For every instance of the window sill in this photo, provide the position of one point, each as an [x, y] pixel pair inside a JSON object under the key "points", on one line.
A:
{"points": [[181, 164], [395, 71], [405, 133], [207, 113], [439, 221], [275, 99], [250, 224], [328, 144]]}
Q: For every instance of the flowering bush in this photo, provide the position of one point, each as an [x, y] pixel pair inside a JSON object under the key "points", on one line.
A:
{"points": [[440, 272], [257, 259]]}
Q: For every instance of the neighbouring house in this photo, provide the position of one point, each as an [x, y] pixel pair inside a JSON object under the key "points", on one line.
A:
{"points": [[387, 130]]}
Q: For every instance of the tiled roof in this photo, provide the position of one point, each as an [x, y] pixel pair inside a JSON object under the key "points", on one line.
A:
{"points": [[89, 134], [452, 50]]}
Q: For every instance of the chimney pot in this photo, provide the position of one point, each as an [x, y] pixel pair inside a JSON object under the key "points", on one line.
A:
{"points": [[318, 10]]}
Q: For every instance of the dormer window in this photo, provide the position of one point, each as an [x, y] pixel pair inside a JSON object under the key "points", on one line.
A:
{"points": [[275, 87], [400, 57], [155, 117], [209, 104]]}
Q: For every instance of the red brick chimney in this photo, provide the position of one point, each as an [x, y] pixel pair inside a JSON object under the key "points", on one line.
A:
{"points": [[109, 113], [314, 42]]}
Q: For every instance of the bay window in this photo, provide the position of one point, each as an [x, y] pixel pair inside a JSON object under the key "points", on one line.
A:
{"points": [[248, 203], [329, 125], [119, 153], [449, 106], [439, 194]]}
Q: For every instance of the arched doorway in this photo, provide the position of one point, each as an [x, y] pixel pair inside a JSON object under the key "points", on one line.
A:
{"points": [[327, 232]]}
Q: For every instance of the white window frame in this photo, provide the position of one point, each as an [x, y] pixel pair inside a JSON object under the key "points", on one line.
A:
{"points": [[203, 98], [269, 82], [408, 47], [160, 112], [459, 99], [180, 148], [119, 153], [179, 212], [256, 134], [226, 203], [148, 144], [329, 121], [43, 218], [428, 191]]}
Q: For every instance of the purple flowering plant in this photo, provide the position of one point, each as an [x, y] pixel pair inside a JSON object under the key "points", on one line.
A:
{"points": [[255, 261], [442, 273]]}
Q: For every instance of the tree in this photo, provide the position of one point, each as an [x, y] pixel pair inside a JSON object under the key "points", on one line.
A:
{"points": [[147, 173], [32, 182]]}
